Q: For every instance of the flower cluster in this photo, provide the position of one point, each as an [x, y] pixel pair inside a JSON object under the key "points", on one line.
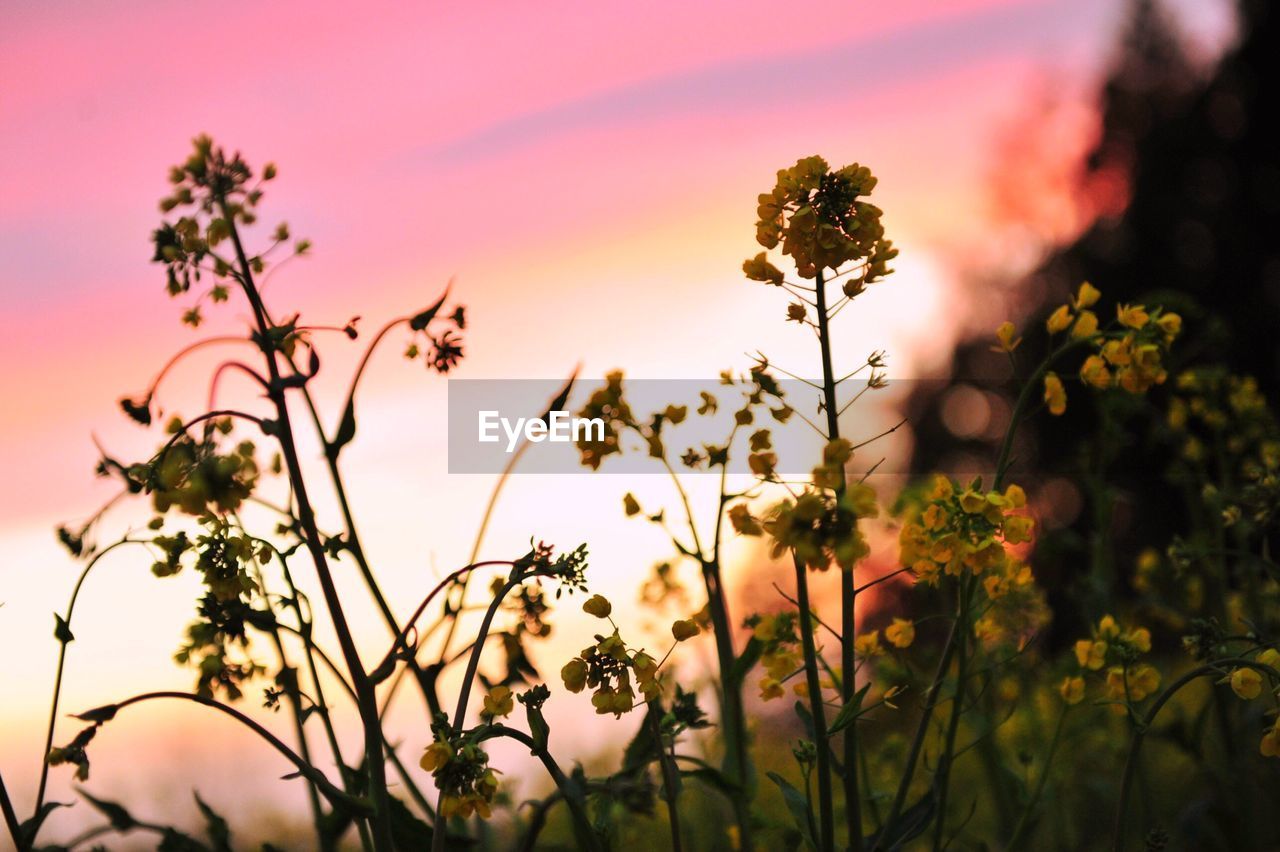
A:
{"points": [[965, 529], [1127, 354], [460, 768], [609, 667], [195, 476], [822, 222], [779, 650], [1118, 651]]}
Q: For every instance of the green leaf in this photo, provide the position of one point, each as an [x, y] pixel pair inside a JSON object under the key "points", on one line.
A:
{"points": [[798, 804], [644, 747], [909, 825], [849, 713], [120, 819]]}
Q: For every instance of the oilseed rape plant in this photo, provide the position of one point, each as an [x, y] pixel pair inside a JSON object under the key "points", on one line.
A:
{"points": [[952, 697]]}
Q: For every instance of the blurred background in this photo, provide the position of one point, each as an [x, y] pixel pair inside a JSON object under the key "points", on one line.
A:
{"points": [[588, 179]]}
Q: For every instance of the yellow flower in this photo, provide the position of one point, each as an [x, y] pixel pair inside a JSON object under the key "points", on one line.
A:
{"points": [[901, 633], [1094, 372], [1072, 690], [1171, 325], [1143, 681], [1133, 316], [1090, 654], [498, 703], [1059, 319], [972, 502], [1246, 683], [1087, 295], [771, 688], [868, 644], [1270, 745], [574, 675], [1055, 395], [685, 628], [598, 606], [436, 755], [1086, 325], [1270, 657], [1005, 338]]}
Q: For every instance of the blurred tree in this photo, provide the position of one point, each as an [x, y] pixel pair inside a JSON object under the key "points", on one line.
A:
{"points": [[1182, 189]]}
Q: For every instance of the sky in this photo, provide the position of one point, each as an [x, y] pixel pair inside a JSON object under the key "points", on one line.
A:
{"points": [[585, 174]]}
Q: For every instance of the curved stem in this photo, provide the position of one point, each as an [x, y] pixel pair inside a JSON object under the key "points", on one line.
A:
{"points": [[62, 658], [1140, 731], [335, 796], [1025, 821]]}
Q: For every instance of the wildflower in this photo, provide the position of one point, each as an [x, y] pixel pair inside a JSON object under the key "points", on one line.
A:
{"points": [[1072, 690], [498, 703], [1059, 319], [901, 633], [1091, 654], [1055, 395], [1005, 338], [1086, 325], [1270, 745], [685, 628], [598, 606], [868, 644], [1086, 296], [770, 689], [1094, 372], [1132, 316], [574, 675], [1246, 683], [436, 755]]}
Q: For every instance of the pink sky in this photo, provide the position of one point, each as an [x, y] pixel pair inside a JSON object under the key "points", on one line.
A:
{"points": [[588, 172]]}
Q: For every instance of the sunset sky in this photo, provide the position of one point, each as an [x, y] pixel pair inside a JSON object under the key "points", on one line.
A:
{"points": [[586, 173]]}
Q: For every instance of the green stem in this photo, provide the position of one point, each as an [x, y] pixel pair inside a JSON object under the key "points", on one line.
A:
{"points": [[826, 817], [942, 781], [848, 595], [670, 778], [1140, 731], [1025, 821]]}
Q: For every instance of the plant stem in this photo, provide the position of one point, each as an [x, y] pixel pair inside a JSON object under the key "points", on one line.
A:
{"points": [[942, 780], [366, 697], [670, 778], [10, 816], [826, 817], [848, 594], [1140, 731], [1025, 821]]}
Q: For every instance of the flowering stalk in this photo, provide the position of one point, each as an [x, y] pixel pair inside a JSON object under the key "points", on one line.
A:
{"points": [[365, 695]]}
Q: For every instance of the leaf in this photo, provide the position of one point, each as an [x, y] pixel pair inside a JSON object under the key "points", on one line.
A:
{"points": [[798, 805], [805, 717], [407, 831], [98, 715], [562, 397], [745, 662], [62, 630], [31, 827], [346, 429], [713, 777], [849, 713], [420, 321], [120, 819], [175, 841], [644, 747], [216, 827], [909, 825]]}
